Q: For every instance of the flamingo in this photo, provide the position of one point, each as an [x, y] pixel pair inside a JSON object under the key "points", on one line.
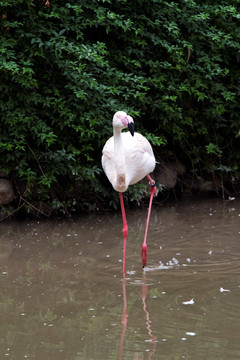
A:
{"points": [[126, 159]]}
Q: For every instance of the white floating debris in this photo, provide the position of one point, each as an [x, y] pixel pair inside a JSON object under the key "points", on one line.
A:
{"points": [[190, 302], [159, 267], [172, 262], [169, 265], [131, 272], [224, 290], [210, 252], [190, 333]]}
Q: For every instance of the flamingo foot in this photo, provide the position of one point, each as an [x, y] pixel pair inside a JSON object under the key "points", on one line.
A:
{"points": [[144, 255]]}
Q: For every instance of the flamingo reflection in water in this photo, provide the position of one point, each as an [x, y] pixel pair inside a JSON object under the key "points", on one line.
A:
{"points": [[152, 338]]}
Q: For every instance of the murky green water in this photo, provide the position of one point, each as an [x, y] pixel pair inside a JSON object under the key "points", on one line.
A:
{"points": [[62, 296]]}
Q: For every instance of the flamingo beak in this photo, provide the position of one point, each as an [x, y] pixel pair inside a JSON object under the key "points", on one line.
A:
{"points": [[131, 127]]}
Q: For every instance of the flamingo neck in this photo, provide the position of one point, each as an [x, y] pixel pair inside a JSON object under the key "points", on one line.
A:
{"points": [[120, 161]]}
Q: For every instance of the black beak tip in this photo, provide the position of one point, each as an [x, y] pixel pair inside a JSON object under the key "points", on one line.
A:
{"points": [[131, 128]]}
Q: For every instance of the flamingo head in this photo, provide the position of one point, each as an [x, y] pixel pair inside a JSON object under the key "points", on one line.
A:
{"points": [[121, 120]]}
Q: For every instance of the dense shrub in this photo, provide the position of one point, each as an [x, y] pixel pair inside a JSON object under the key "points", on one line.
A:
{"points": [[67, 66]]}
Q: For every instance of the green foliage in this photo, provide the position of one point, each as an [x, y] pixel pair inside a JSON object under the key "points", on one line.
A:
{"points": [[66, 67]]}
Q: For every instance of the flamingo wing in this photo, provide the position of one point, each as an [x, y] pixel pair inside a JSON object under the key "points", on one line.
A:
{"points": [[140, 160]]}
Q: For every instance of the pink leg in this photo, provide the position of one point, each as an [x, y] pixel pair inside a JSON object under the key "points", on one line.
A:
{"points": [[124, 231], [144, 245]]}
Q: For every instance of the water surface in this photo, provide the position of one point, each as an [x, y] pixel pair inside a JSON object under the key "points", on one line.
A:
{"points": [[63, 296]]}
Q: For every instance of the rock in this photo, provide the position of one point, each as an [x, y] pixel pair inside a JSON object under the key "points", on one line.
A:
{"points": [[6, 192], [165, 175], [168, 177], [178, 166]]}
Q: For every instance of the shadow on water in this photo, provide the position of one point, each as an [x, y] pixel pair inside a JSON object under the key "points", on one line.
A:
{"points": [[63, 297]]}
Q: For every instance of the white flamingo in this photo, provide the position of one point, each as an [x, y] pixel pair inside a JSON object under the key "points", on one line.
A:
{"points": [[127, 158]]}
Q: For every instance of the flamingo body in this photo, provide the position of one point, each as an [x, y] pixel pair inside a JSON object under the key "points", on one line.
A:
{"points": [[127, 157], [137, 161]]}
